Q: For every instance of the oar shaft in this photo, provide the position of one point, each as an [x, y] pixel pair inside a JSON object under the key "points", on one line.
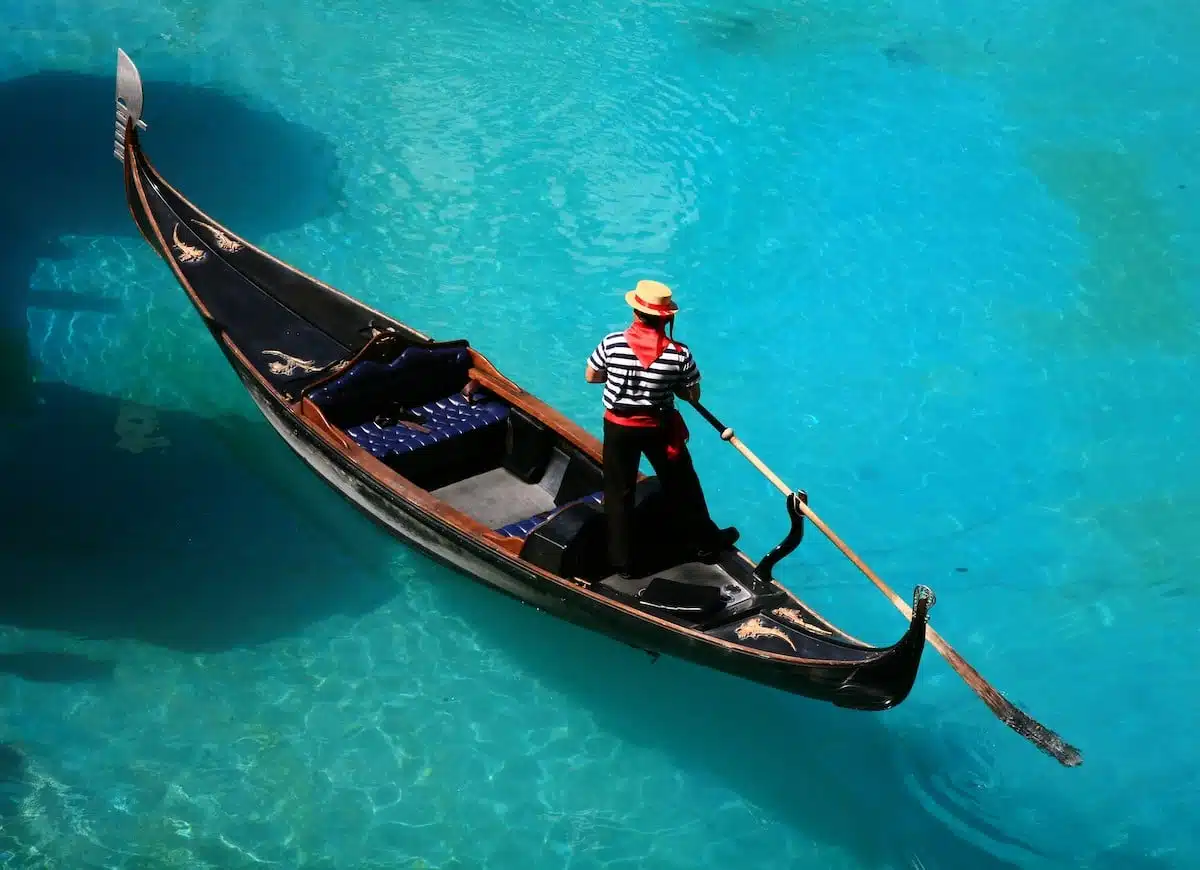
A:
{"points": [[758, 463], [727, 434], [1019, 721]]}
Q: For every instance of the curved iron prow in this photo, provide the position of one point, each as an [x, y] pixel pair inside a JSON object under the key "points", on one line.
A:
{"points": [[893, 676], [129, 102], [790, 542], [923, 601]]}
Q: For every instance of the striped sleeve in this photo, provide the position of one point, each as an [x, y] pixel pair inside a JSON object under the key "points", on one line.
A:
{"points": [[689, 374], [599, 358]]}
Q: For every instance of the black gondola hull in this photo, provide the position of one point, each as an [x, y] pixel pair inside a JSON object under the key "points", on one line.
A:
{"points": [[260, 310], [461, 553]]}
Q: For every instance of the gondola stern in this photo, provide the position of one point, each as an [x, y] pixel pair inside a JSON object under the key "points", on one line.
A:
{"points": [[127, 150], [129, 103]]}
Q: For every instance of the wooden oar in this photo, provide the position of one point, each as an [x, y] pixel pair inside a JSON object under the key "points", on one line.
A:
{"points": [[1025, 725]]}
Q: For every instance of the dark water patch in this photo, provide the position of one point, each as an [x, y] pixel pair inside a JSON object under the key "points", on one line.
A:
{"points": [[121, 521], [58, 177], [754, 31], [12, 773], [14, 788], [64, 300], [733, 31], [867, 473], [56, 667], [1132, 292], [1158, 531], [820, 31], [903, 54]]}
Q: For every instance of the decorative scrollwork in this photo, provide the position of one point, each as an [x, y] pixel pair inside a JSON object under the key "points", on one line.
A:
{"points": [[286, 365], [224, 242], [796, 618], [186, 253], [755, 627]]}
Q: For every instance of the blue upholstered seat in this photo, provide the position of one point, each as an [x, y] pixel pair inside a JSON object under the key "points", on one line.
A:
{"points": [[522, 528], [445, 418]]}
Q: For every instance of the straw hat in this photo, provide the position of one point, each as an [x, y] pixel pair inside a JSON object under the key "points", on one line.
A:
{"points": [[652, 297]]}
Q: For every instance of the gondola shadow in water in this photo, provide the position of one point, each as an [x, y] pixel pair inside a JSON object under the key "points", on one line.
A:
{"points": [[121, 522], [14, 788], [58, 178], [836, 776], [47, 666]]}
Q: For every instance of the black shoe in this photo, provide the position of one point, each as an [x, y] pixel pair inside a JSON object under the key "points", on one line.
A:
{"points": [[724, 539], [625, 572]]}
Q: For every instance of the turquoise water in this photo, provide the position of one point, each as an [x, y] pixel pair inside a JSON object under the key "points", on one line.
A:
{"points": [[938, 267]]}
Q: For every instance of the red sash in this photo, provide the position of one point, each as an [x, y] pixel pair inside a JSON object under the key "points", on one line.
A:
{"points": [[677, 434]]}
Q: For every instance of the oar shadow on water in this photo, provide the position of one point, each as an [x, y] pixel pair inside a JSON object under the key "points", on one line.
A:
{"points": [[839, 777], [196, 534]]}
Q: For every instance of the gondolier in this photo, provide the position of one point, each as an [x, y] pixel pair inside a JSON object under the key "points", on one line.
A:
{"points": [[642, 370]]}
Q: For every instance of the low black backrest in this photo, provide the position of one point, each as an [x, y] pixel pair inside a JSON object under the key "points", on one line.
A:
{"points": [[583, 476], [416, 376], [529, 444]]}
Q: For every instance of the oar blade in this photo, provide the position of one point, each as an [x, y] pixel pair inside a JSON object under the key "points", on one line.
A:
{"points": [[1018, 720]]}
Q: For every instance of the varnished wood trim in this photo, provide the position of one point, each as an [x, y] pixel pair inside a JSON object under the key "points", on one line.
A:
{"points": [[507, 542], [316, 417]]}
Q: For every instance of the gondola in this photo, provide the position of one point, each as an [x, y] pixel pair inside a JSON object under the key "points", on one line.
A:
{"points": [[429, 439]]}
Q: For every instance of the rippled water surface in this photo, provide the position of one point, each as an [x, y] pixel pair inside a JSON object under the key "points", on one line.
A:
{"points": [[938, 266]]}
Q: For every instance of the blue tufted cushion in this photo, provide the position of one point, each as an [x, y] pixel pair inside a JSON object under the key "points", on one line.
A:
{"points": [[522, 528], [414, 369], [445, 419]]}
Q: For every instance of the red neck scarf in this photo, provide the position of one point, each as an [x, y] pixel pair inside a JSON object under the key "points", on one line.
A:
{"points": [[646, 342]]}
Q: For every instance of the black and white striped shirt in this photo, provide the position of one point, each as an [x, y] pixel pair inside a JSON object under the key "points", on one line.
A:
{"points": [[631, 388]]}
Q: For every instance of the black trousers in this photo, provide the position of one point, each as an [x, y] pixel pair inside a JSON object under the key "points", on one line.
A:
{"points": [[623, 448]]}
